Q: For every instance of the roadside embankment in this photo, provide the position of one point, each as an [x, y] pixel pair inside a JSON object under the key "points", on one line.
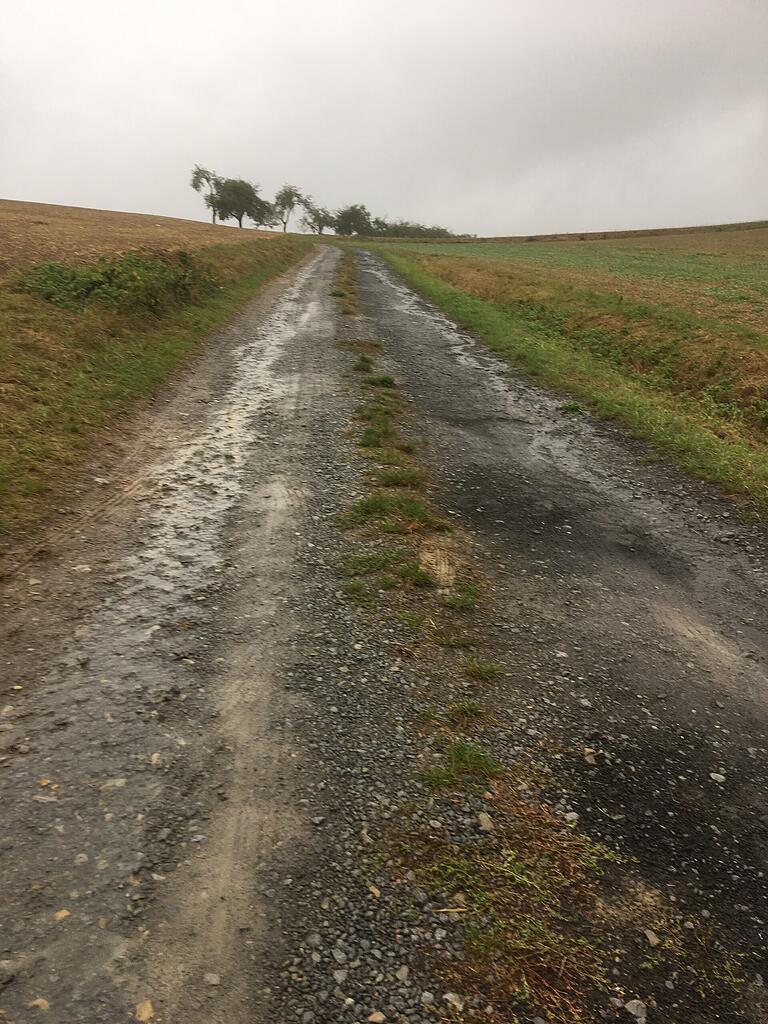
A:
{"points": [[672, 363], [81, 343]]}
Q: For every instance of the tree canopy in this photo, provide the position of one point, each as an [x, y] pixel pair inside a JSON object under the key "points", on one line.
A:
{"points": [[316, 218], [202, 178], [354, 220], [235, 199], [286, 201]]}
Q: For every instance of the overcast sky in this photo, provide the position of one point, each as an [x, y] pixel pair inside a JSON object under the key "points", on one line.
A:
{"points": [[488, 116]]}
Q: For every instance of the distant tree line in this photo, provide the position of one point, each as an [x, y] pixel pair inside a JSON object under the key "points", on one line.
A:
{"points": [[236, 199]]}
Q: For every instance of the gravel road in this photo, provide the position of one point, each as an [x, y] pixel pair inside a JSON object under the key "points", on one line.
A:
{"points": [[206, 748]]}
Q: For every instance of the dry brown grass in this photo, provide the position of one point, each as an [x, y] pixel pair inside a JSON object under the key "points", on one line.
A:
{"points": [[697, 352], [32, 232], [751, 237]]}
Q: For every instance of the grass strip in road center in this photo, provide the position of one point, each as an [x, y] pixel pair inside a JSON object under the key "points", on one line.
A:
{"points": [[519, 943]]}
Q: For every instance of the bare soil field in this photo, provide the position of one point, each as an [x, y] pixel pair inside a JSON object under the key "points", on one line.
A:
{"points": [[31, 232]]}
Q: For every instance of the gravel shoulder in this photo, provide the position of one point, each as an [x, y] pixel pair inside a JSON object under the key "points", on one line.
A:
{"points": [[213, 759]]}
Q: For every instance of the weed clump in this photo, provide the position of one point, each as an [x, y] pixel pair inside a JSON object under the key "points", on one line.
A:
{"points": [[518, 884], [363, 363], [481, 669], [131, 284], [465, 599], [395, 511], [413, 573], [375, 561], [466, 761], [464, 710], [400, 476]]}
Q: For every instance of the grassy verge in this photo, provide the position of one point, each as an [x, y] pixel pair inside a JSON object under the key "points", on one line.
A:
{"points": [[690, 386], [79, 345]]}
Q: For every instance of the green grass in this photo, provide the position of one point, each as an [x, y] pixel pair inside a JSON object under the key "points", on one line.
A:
{"points": [[400, 476], [379, 418], [412, 572], [464, 599], [412, 619], [708, 433], [459, 641], [375, 436], [395, 511], [345, 284], [466, 762], [382, 380], [363, 363], [79, 347], [464, 710], [374, 561], [737, 275], [481, 668], [571, 408], [518, 888]]}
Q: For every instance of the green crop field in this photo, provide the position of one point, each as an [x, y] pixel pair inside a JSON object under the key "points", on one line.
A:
{"points": [[668, 333]]}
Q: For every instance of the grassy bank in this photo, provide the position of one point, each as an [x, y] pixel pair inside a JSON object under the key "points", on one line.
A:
{"points": [[80, 343], [669, 356]]}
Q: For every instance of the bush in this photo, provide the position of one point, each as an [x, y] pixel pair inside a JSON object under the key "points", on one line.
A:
{"points": [[133, 284]]}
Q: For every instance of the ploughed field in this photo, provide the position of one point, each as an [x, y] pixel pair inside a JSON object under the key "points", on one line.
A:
{"points": [[667, 333]]}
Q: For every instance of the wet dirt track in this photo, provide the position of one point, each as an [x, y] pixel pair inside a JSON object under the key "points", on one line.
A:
{"points": [[195, 735]]}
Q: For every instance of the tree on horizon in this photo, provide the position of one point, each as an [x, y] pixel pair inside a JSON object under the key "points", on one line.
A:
{"points": [[203, 178], [236, 198], [285, 202], [316, 218]]}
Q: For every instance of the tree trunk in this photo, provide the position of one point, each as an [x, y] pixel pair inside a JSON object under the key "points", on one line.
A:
{"points": [[240, 221]]}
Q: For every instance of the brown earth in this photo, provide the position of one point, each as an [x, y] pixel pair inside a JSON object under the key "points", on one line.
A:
{"points": [[31, 232]]}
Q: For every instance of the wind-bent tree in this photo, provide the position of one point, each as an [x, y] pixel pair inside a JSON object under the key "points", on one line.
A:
{"points": [[316, 218], [353, 220], [202, 178], [236, 199], [263, 213], [285, 202]]}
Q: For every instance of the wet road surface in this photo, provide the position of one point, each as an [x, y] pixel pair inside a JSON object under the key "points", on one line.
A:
{"points": [[194, 736]]}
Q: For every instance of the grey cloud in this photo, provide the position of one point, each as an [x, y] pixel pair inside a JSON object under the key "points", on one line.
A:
{"points": [[493, 116]]}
